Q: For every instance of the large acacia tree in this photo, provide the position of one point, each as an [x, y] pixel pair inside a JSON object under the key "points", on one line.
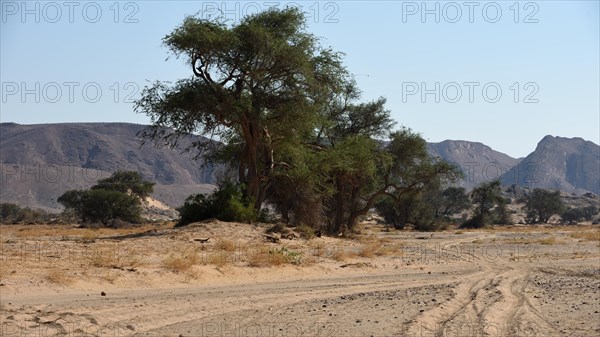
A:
{"points": [[256, 86]]}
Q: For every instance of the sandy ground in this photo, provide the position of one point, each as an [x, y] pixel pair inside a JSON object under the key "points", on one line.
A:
{"points": [[160, 281]]}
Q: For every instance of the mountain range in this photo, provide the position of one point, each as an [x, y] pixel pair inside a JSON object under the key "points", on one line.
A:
{"points": [[39, 162]]}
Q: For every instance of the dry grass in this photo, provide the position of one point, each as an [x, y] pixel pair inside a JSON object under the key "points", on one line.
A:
{"points": [[589, 235], [58, 276], [110, 276], [266, 256], [379, 247], [180, 261], [318, 250], [526, 241], [220, 259], [70, 231], [102, 259], [6, 269], [342, 254], [113, 256], [225, 245], [89, 235], [191, 274], [394, 248], [548, 241], [370, 249]]}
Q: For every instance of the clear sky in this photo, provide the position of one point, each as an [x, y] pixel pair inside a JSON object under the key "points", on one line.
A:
{"points": [[503, 73]]}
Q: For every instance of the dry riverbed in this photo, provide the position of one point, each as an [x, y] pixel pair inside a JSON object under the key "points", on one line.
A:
{"points": [[161, 281]]}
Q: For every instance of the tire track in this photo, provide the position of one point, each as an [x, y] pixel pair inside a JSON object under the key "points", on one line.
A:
{"points": [[489, 304]]}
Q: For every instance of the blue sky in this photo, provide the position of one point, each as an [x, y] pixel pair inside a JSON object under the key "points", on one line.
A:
{"points": [[503, 74]]}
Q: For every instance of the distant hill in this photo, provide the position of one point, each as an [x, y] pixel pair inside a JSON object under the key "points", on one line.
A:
{"points": [[567, 164], [478, 162], [40, 162]]}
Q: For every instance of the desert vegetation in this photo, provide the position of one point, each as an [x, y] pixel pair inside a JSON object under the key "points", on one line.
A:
{"points": [[118, 197], [253, 81]]}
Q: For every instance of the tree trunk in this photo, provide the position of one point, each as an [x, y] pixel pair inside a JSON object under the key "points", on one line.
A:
{"points": [[353, 217], [339, 224], [251, 133]]}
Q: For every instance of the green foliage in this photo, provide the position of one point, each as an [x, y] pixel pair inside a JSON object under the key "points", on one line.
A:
{"points": [[129, 182], [105, 205], [363, 172], [226, 204], [288, 112], [489, 206], [589, 212], [395, 212], [257, 86], [453, 200], [116, 197], [501, 216], [12, 213], [73, 200], [478, 221], [572, 215], [542, 204], [427, 210]]}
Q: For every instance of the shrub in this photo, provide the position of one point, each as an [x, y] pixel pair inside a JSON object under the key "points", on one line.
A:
{"points": [[489, 206], [226, 204], [12, 213], [572, 215], [129, 182], [589, 212], [306, 231], [542, 204], [100, 205], [117, 197], [477, 221], [105, 205]]}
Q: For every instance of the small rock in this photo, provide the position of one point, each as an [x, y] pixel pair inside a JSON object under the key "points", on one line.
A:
{"points": [[103, 294]]}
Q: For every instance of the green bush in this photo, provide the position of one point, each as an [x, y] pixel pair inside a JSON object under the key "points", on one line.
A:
{"points": [[478, 221], [572, 215], [542, 204], [12, 213], [118, 197], [589, 212], [102, 206], [129, 182], [226, 204]]}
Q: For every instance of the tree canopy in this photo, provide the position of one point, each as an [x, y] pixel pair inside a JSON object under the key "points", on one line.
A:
{"points": [[118, 196], [542, 204], [290, 119], [255, 86], [489, 206]]}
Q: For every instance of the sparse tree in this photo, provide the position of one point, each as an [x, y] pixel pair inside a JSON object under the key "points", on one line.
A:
{"points": [[542, 204], [486, 197], [572, 215], [119, 196], [402, 167], [427, 209], [74, 200], [129, 182], [105, 205], [256, 86], [589, 212], [453, 201]]}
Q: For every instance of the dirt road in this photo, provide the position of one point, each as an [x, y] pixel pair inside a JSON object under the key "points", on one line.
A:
{"points": [[552, 290]]}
